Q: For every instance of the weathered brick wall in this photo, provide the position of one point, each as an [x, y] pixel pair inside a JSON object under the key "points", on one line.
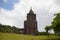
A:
{"points": [[30, 25]]}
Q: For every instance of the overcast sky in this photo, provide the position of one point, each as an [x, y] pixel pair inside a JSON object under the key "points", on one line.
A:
{"points": [[14, 12]]}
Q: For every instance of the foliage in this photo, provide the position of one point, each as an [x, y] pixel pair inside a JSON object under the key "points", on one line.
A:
{"points": [[42, 33], [7, 28], [47, 28], [56, 23]]}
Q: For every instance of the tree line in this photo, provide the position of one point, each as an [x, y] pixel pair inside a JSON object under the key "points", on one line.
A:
{"points": [[9, 29]]}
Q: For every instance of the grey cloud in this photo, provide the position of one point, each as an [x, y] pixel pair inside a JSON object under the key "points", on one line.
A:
{"points": [[57, 2]]}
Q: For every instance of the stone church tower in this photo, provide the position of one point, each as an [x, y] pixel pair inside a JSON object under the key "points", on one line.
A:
{"points": [[30, 25]]}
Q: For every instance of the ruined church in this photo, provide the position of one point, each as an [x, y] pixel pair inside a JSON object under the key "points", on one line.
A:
{"points": [[30, 25]]}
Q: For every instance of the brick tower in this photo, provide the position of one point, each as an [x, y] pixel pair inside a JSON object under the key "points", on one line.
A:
{"points": [[30, 25]]}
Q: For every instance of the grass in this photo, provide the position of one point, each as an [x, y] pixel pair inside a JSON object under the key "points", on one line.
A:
{"points": [[13, 36]]}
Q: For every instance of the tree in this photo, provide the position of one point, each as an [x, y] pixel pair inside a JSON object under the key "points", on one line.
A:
{"points": [[47, 28], [56, 23]]}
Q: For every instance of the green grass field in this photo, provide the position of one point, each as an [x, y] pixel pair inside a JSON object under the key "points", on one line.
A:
{"points": [[13, 36]]}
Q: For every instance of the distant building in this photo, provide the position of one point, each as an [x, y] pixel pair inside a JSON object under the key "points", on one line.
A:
{"points": [[21, 31], [30, 25]]}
